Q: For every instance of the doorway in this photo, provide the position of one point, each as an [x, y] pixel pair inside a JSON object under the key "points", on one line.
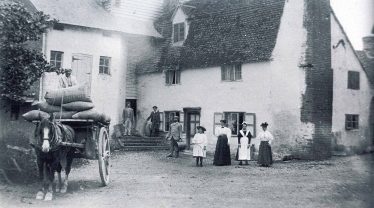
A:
{"points": [[133, 106], [81, 65], [192, 118], [371, 120]]}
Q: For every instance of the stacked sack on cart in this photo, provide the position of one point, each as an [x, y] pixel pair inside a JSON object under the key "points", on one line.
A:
{"points": [[67, 103]]}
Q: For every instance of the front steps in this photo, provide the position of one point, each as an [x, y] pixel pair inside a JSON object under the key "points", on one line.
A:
{"points": [[142, 143]]}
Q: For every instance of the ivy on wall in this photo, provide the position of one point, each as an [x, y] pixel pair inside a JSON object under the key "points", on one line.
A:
{"points": [[21, 65]]}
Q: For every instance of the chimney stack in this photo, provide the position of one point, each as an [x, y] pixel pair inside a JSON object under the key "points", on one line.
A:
{"points": [[369, 45]]}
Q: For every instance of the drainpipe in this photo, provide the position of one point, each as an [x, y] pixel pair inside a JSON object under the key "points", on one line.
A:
{"points": [[44, 52]]}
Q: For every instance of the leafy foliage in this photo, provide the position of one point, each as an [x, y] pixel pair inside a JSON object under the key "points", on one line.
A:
{"points": [[20, 65]]}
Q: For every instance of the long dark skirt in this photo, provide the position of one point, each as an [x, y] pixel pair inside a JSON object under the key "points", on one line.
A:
{"points": [[222, 153], [265, 157]]}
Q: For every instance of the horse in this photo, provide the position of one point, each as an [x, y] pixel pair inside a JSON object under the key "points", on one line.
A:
{"points": [[52, 157]]}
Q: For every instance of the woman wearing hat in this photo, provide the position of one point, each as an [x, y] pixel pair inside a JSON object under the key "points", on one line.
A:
{"points": [[222, 153], [200, 142], [244, 140], [265, 157]]}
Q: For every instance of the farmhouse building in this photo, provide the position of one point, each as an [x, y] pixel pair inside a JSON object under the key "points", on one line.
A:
{"points": [[286, 62]]}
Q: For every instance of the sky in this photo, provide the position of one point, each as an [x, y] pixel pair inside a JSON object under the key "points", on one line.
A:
{"points": [[357, 18]]}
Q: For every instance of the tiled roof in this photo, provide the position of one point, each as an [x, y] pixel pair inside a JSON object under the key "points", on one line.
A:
{"points": [[88, 13], [367, 63], [221, 32]]}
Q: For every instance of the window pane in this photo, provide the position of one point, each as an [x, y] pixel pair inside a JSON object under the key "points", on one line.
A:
{"points": [[176, 33], [238, 72], [181, 31], [101, 70], [353, 80], [101, 61]]}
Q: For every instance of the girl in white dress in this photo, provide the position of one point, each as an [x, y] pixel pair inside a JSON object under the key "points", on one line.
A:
{"points": [[199, 142]]}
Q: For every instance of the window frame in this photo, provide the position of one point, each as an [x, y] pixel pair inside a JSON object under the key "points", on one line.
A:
{"points": [[174, 75], [352, 121], [222, 115], [167, 120], [353, 80], [231, 72], [53, 59], [178, 36], [102, 67]]}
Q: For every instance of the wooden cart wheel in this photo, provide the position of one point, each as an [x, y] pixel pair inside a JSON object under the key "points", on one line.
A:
{"points": [[104, 155]]}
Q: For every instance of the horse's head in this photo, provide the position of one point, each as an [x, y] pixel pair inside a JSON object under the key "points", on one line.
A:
{"points": [[45, 134]]}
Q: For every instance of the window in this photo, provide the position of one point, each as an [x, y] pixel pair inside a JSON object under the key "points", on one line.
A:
{"points": [[231, 72], [104, 65], [117, 3], [169, 115], [353, 80], [234, 121], [172, 77], [351, 121], [178, 30], [58, 26], [56, 59]]}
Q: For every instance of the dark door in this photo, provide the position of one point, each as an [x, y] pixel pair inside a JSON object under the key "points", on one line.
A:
{"points": [[192, 121]]}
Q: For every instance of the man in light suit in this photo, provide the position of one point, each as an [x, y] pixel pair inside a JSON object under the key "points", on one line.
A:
{"points": [[174, 135]]}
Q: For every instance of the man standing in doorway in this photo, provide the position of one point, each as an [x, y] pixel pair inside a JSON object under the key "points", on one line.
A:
{"points": [[174, 135], [128, 119], [155, 119]]}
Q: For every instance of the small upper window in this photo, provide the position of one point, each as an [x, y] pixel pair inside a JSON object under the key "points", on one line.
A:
{"points": [[351, 121], [173, 77], [353, 80], [104, 65], [58, 26], [231, 72], [178, 30], [117, 3], [56, 59]]}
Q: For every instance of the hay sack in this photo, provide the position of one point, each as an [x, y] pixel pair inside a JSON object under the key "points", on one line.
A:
{"points": [[68, 95], [35, 115], [44, 106], [78, 106]]}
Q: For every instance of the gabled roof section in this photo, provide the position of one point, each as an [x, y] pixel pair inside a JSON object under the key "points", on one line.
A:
{"points": [[367, 63], [223, 32], [88, 13]]}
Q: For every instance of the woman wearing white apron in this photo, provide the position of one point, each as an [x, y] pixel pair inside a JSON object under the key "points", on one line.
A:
{"points": [[244, 141]]}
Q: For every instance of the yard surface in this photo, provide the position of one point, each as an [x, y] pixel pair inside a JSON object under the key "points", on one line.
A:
{"points": [[149, 179]]}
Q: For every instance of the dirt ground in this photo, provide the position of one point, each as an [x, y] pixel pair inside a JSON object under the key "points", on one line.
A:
{"points": [[149, 179]]}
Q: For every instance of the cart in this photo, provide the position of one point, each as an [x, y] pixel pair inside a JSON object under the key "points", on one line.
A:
{"points": [[91, 142]]}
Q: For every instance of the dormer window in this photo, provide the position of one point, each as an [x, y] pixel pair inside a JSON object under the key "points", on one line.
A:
{"points": [[179, 31]]}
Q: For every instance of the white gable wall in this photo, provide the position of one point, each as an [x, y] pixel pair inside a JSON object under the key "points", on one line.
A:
{"points": [[107, 91], [348, 101], [272, 90]]}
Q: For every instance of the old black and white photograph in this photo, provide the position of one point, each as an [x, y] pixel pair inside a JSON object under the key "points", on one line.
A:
{"points": [[187, 103]]}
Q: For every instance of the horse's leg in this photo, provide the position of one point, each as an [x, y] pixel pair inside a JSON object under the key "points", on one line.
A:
{"points": [[40, 193], [69, 161], [49, 194], [58, 180]]}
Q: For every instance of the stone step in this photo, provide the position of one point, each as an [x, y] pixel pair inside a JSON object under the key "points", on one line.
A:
{"points": [[142, 144], [142, 140], [143, 148]]}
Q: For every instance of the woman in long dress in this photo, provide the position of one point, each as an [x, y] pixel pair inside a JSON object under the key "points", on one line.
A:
{"points": [[265, 157], [244, 141], [199, 142], [222, 153]]}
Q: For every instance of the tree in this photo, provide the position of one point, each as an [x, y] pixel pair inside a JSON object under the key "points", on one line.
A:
{"points": [[20, 65]]}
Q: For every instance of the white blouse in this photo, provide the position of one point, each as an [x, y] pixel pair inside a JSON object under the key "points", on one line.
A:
{"points": [[266, 136], [224, 130]]}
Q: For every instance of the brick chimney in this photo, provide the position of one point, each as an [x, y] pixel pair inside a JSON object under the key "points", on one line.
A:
{"points": [[369, 44]]}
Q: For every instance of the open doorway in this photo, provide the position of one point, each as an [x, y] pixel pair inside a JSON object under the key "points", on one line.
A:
{"points": [[371, 120], [133, 106]]}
